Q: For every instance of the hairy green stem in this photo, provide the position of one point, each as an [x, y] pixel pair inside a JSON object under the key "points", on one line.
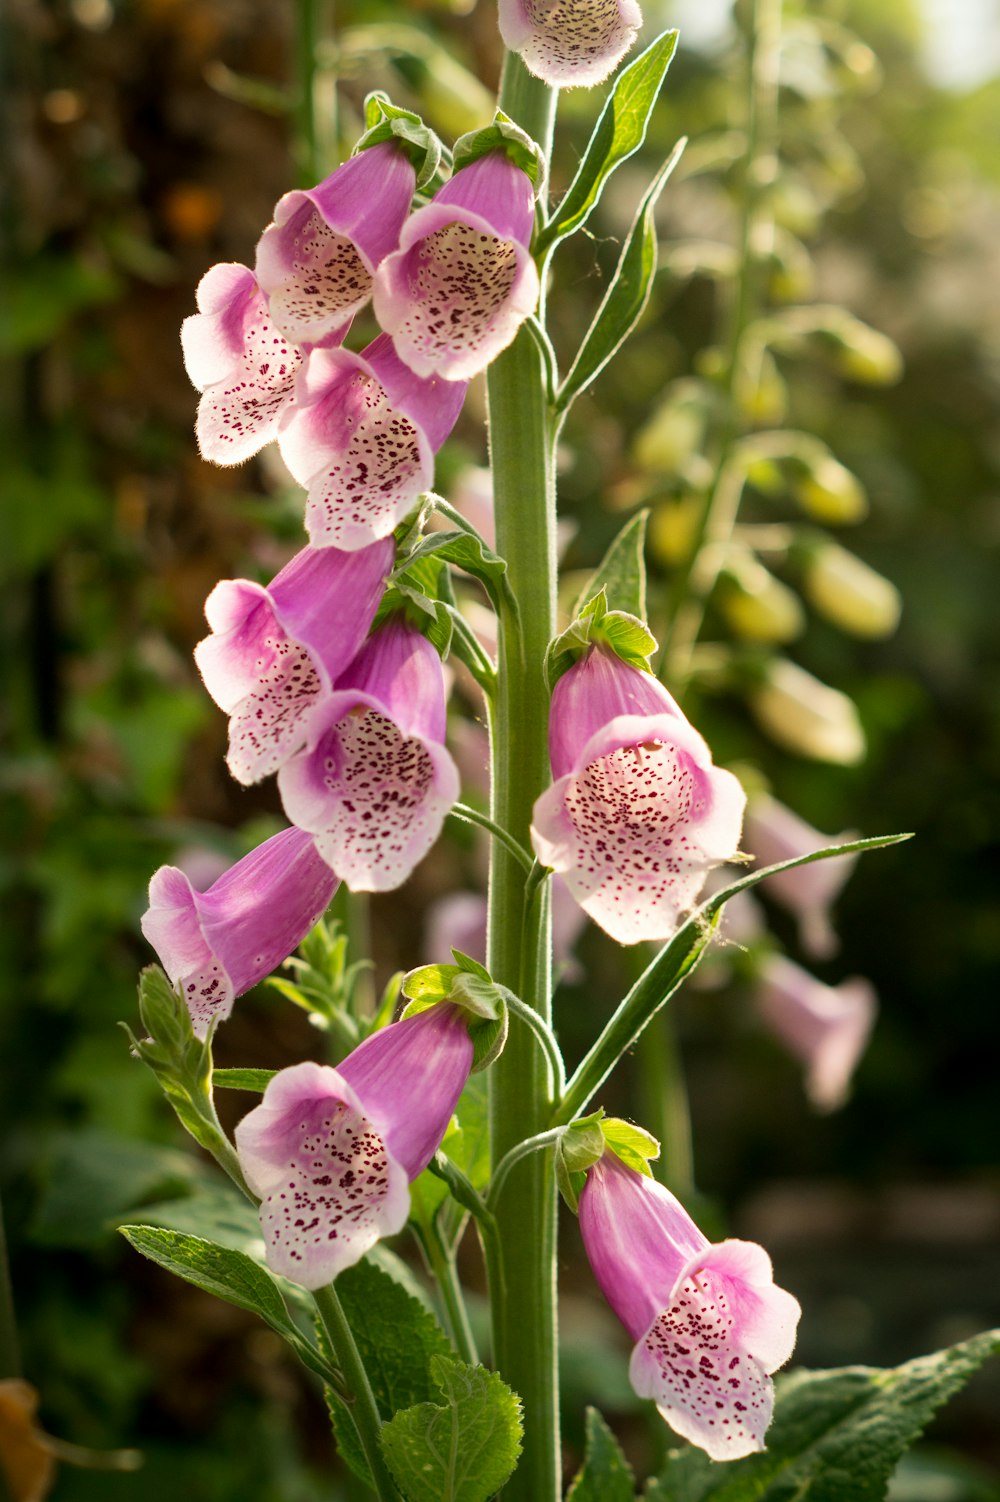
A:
{"points": [[522, 458], [361, 1405]]}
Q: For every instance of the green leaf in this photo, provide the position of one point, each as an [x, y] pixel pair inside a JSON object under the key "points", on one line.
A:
{"points": [[836, 1434], [471, 554], [605, 1475], [256, 1080], [229, 1275], [621, 573], [462, 1451], [396, 1336], [619, 132], [627, 295], [94, 1177]]}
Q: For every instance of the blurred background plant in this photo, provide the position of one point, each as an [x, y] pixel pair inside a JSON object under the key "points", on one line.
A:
{"points": [[151, 138]]}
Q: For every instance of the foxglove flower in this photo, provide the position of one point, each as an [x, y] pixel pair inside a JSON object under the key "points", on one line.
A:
{"points": [[710, 1325], [242, 364], [331, 1152], [774, 834], [374, 782], [638, 813], [274, 653], [462, 281], [219, 943], [826, 1027], [361, 437], [316, 261], [570, 41]]}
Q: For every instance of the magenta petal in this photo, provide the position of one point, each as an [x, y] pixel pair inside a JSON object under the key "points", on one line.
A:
{"points": [[596, 689], [826, 1027], [410, 1076], [567, 42], [776, 833], [329, 1185], [462, 282], [638, 824], [219, 943], [494, 189], [316, 260], [400, 669], [244, 367]]}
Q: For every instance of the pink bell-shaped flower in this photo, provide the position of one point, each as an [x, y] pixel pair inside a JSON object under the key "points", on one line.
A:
{"points": [[570, 41], [361, 437], [710, 1325], [331, 1152], [219, 943], [375, 781], [638, 814], [316, 261], [462, 281], [826, 1027], [775, 833], [274, 653], [242, 364]]}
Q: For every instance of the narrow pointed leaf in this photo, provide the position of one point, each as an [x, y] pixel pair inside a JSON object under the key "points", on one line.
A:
{"points": [[605, 1475], [835, 1434], [627, 295], [619, 132], [622, 571], [463, 1450]]}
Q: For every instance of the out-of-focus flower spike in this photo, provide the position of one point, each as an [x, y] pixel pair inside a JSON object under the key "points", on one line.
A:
{"points": [[375, 780], [462, 281], [242, 364], [331, 1152], [709, 1323], [826, 1027], [361, 437], [221, 942], [567, 42], [316, 261], [639, 813], [775, 834], [274, 653]]}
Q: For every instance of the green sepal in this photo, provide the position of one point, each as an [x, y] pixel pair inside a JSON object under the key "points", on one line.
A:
{"points": [[464, 1448], [632, 1144], [627, 636], [385, 121], [621, 573], [627, 295], [422, 590], [620, 131], [468, 985], [502, 135], [579, 1148]]}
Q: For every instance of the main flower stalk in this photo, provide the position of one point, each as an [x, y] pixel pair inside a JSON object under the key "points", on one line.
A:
{"points": [[521, 449]]}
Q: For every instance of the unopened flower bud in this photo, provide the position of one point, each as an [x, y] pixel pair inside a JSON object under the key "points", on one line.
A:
{"points": [[828, 491], [757, 605], [850, 593], [807, 716]]}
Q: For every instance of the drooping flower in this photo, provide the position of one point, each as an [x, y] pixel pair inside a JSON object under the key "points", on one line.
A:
{"points": [[570, 41], [274, 653], [331, 1152], [361, 437], [316, 261], [375, 781], [826, 1027], [775, 833], [709, 1323], [219, 943], [244, 367], [462, 281], [638, 813]]}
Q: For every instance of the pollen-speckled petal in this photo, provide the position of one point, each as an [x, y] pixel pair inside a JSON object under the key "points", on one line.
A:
{"points": [[568, 42]]}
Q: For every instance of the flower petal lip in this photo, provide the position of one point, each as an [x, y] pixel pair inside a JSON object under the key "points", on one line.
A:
{"points": [[462, 282], [361, 437], [219, 943], [274, 653], [315, 262], [638, 823], [567, 42], [243, 365]]}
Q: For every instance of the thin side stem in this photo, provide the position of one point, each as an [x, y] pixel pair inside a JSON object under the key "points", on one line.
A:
{"points": [[361, 1405], [517, 1155], [522, 458], [468, 815], [456, 1316]]}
